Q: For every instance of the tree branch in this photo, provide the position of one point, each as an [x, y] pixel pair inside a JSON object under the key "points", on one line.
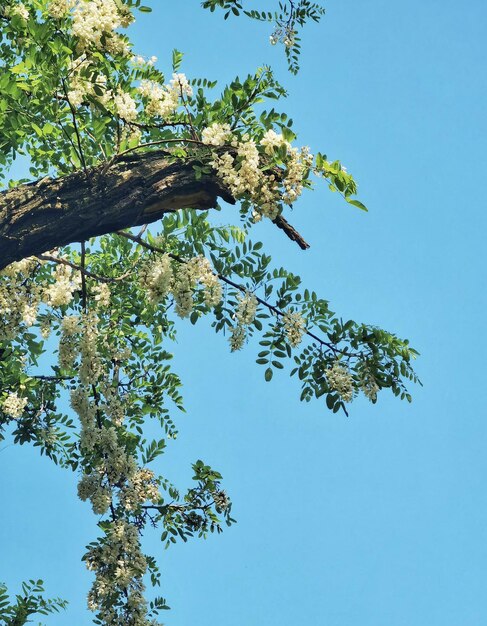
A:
{"points": [[138, 189]]}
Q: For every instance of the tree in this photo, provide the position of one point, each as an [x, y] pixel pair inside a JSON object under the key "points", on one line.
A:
{"points": [[112, 147]]}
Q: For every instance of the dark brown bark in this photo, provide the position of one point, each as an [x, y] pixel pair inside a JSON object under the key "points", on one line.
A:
{"points": [[136, 190]]}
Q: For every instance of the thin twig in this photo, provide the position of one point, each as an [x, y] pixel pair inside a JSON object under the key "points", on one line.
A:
{"points": [[75, 125], [83, 271]]}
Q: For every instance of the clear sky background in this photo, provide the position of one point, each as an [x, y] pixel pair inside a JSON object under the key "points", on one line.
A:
{"points": [[379, 519]]}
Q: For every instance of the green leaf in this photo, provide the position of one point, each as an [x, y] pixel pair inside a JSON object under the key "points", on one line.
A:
{"points": [[357, 204]]}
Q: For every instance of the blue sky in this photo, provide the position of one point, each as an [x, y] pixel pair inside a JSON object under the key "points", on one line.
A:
{"points": [[379, 519]]}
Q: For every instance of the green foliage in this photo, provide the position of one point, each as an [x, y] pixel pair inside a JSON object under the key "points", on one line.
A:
{"points": [[17, 611], [286, 21]]}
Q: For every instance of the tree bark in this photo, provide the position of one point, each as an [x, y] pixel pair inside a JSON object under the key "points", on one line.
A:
{"points": [[136, 190]]}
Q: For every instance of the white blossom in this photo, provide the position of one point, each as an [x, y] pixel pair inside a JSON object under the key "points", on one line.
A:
{"points": [[294, 327], [216, 134], [246, 308], [95, 23], [340, 380], [237, 337], [59, 8], [13, 405], [102, 294], [163, 100], [369, 385], [157, 278], [272, 140], [20, 10], [125, 106]]}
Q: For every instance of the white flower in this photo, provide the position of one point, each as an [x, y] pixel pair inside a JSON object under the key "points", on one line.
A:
{"points": [[20, 10], [216, 134], [369, 385], [29, 314], [125, 106], [272, 140], [246, 309], [59, 8], [158, 278], [340, 379], [237, 337], [294, 327], [13, 405], [102, 294]]}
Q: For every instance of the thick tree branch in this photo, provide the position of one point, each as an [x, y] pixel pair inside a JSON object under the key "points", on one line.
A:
{"points": [[138, 189]]}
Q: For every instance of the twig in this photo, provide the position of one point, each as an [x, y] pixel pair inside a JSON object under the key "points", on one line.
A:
{"points": [[75, 125], [81, 269]]}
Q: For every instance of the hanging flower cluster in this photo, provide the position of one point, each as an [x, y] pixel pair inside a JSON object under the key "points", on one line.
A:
{"points": [[163, 276], [113, 481], [19, 299], [245, 315], [294, 327], [242, 169], [340, 380], [13, 405], [119, 566], [369, 385]]}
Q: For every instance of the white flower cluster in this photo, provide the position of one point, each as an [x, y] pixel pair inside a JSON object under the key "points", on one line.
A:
{"points": [[115, 405], [18, 9], [285, 34], [340, 379], [69, 341], [237, 337], [14, 405], [67, 281], [90, 369], [294, 327], [182, 289], [298, 164], [141, 487], [160, 279], [221, 500], [242, 170], [83, 80], [246, 308], [245, 315], [95, 23], [19, 298], [369, 385], [271, 141], [60, 8], [119, 566], [157, 278], [90, 487], [202, 270], [111, 464], [124, 105], [102, 294], [141, 61], [163, 100], [216, 134], [118, 563]]}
